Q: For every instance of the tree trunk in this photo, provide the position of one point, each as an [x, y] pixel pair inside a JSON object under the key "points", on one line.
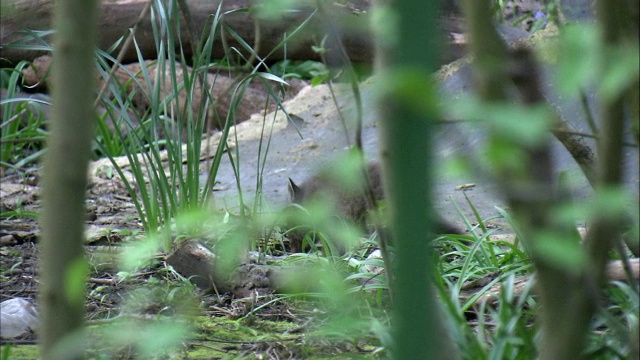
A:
{"points": [[568, 294], [63, 268]]}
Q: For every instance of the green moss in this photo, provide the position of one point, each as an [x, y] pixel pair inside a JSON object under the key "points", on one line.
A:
{"points": [[224, 338], [19, 352]]}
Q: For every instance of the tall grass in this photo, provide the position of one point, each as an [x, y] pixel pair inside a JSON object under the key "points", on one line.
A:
{"points": [[22, 130], [164, 143]]}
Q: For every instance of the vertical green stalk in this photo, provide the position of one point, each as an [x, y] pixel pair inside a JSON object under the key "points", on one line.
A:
{"points": [[411, 56], [603, 230], [488, 49], [65, 175]]}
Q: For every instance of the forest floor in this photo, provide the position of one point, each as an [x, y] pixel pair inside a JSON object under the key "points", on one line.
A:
{"points": [[226, 326]]}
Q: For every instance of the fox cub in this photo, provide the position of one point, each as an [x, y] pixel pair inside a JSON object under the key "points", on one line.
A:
{"points": [[346, 200]]}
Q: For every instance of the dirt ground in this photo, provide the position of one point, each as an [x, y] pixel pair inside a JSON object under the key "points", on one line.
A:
{"points": [[111, 222]]}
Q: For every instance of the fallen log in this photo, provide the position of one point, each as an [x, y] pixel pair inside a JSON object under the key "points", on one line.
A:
{"points": [[117, 17]]}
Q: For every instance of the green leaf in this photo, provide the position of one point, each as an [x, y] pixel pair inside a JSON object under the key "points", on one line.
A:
{"points": [[271, 77], [139, 254], [75, 280], [160, 337], [524, 125], [411, 87], [273, 9], [579, 59], [609, 202], [560, 251], [621, 70]]}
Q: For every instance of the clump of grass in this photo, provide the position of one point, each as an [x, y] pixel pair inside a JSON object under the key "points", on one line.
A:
{"points": [[164, 142], [22, 131]]}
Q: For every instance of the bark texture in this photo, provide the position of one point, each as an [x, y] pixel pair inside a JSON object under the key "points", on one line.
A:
{"points": [[63, 267], [119, 16], [568, 294]]}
